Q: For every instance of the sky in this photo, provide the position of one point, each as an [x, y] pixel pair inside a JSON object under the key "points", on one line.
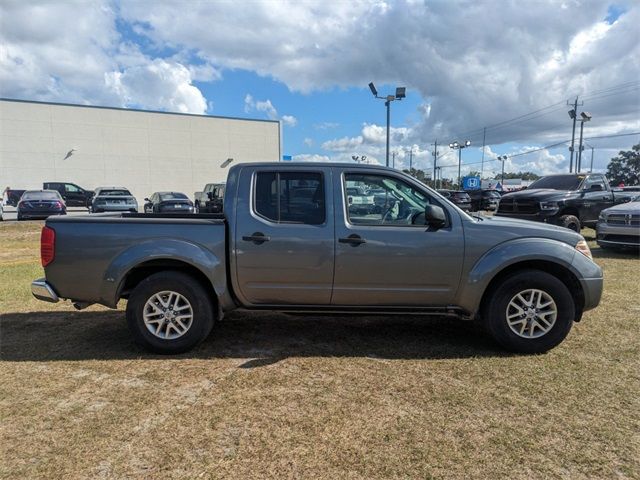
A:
{"points": [[500, 71]]}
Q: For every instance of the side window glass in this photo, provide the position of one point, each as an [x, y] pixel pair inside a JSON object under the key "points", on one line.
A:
{"points": [[71, 188], [290, 197], [382, 200]]}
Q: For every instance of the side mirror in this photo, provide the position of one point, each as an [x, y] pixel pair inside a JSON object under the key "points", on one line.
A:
{"points": [[435, 216], [147, 200]]}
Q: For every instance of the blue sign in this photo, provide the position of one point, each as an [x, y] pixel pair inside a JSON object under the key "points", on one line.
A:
{"points": [[471, 183], [286, 158]]}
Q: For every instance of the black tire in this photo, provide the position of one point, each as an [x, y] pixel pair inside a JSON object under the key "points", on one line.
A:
{"points": [[192, 291], [571, 222], [494, 312]]}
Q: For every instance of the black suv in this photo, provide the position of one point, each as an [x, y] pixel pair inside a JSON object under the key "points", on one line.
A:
{"points": [[73, 195], [460, 198], [484, 199]]}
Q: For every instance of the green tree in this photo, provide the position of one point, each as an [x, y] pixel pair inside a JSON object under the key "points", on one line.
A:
{"points": [[522, 175], [625, 168]]}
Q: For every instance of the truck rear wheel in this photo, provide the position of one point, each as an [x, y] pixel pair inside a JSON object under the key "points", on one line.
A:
{"points": [[529, 312], [169, 312], [571, 222]]}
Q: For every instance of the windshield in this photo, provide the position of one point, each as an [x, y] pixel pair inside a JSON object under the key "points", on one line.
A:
{"points": [[559, 182], [172, 196], [113, 193], [41, 196]]}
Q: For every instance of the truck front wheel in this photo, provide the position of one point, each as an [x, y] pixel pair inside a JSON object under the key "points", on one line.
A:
{"points": [[570, 221], [169, 312], [529, 312]]}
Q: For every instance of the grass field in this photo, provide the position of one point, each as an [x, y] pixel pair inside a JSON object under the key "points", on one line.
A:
{"points": [[318, 397]]}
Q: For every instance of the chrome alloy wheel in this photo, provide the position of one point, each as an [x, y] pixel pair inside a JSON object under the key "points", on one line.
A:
{"points": [[531, 313], [168, 315]]}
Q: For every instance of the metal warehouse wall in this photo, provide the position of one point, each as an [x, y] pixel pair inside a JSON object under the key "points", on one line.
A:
{"points": [[144, 151]]}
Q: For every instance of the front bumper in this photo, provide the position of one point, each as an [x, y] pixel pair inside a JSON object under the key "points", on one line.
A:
{"points": [[592, 289], [43, 291], [617, 235]]}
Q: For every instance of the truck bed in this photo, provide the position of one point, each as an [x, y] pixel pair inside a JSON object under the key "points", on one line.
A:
{"points": [[94, 253]]}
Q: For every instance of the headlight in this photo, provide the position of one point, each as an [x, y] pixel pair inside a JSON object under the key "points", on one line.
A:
{"points": [[548, 206], [602, 217], [584, 249]]}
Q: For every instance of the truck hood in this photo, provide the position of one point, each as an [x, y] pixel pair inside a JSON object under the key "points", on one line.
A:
{"points": [[629, 207], [539, 194], [504, 229]]}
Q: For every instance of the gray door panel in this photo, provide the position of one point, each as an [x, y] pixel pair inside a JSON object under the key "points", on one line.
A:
{"points": [[295, 265], [396, 265]]}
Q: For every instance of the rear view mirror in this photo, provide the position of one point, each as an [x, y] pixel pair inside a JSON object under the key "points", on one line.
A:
{"points": [[435, 216]]}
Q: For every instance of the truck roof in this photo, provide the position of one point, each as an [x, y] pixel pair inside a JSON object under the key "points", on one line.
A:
{"points": [[312, 164]]}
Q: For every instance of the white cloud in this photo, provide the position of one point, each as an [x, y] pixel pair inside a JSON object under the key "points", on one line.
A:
{"points": [[308, 142], [326, 125], [157, 85], [289, 120]]}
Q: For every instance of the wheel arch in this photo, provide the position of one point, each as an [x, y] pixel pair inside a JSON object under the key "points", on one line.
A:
{"points": [[572, 210], [562, 273]]}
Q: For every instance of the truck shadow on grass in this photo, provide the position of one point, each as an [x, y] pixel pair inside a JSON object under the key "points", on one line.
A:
{"points": [[262, 338]]}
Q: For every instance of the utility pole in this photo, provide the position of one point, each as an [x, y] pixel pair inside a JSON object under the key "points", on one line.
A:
{"points": [[411, 158], [435, 160], [388, 105], [484, 137], [574, 115], [394, 159], [591, 167]]}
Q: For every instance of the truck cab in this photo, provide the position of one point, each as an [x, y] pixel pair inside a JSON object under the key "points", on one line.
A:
{"points": [[72, 194]]}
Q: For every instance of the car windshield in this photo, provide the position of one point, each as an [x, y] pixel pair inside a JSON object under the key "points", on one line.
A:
{"points": [[41, 196], [559, 182], [172, 196], [114, 192]]}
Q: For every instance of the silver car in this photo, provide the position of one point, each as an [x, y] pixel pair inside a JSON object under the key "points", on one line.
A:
{"points": [[619, 226], [113, 199]]}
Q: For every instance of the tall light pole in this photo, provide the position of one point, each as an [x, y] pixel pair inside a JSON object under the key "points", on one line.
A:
{"points": [[502, 159], [584, 117], [591, 166], [359, 158], [400, 94], [459, 147], [573, 113]]}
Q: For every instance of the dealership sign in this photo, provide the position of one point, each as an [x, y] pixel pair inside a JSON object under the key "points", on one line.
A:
{"points": [[471, 183]]}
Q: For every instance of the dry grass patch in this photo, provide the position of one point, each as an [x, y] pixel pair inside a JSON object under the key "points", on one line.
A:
{"points": [[321, 397]]}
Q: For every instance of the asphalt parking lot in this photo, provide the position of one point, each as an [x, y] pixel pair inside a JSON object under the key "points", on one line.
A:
{"points": [[274, 395]]}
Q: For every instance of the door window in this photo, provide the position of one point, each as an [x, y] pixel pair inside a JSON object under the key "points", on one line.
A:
{"points": [[389, 201], [72, 188], [290, 197], [594, 180]]}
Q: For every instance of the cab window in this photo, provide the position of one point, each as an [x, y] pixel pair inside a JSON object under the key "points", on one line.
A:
{"points": [[391, 202], [290, 197]]}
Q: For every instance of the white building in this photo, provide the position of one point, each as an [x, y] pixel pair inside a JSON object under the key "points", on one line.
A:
{"points": [[141, 150]]}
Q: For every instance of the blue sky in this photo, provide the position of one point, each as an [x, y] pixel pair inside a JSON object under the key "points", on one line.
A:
{"points": [[308, 64]]}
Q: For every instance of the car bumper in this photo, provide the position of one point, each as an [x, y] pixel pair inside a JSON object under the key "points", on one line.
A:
{"points": [[39, 214], [617, 235], [592, 289], [43, 291], [114, 208]]}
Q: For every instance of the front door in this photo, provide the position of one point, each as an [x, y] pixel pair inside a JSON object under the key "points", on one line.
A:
{"points": [[74, 196], [385, 255], [284, 241]]}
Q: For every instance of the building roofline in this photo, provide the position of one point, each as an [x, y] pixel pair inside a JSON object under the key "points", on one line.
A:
{"points": [[38, 102]]}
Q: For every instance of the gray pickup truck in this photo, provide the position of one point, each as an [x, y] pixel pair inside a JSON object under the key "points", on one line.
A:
{"points": [[290, 241]]}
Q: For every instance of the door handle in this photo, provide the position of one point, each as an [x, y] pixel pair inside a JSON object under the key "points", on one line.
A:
{"points": [[257, 238], [354, 240]]}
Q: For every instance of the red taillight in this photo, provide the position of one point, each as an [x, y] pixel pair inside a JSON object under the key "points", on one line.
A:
{"points": [[47, 245]]}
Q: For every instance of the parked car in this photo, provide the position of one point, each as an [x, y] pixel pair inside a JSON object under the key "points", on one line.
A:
{"points": [[631, 188], [459, 197], [39, 204], [571, 200], [211, 199], [619, 226], [484, 199], [113, 199], [526, 282], [72, 194], [168, 202]]}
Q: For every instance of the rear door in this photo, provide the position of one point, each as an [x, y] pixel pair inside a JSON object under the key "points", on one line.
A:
{"points": [[284, 239], [385, 257]]}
